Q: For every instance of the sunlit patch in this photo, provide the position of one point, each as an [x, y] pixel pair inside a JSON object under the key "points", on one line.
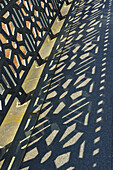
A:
{"points": [[82, 147], [73, 140], [62, 159], [59, 108], [69, 130], [46, 157], [66, 84], [34, 152], [51, 137]]}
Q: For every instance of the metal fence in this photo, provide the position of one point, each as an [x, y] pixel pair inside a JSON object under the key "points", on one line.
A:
{"points": [[24, 25]]}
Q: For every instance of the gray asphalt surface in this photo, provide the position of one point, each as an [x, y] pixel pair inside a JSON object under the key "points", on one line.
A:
{"points": [[74, 129]]}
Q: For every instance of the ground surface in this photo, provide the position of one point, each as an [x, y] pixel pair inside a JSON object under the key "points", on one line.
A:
{"points": [[74, 129]]}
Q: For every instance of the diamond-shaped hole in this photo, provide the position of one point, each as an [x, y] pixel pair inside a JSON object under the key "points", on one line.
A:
{"points": [[7, 99], [36, 13], [32, 19], [14, 44], [24, 62], [18, 2], [28, 24], [1, 89], [26, 4], [5, 28], [47, 11], [19, 37], [24, 13], [6, 15], [0, 105], [3, 39], [42, 4], [13, 70], [23, 49], [16, 61], [12, 27], [21, 73], [8, 53], [51, 6], [34, 32], [5, 81], [39, 24], [29, 59], [31, 5]]}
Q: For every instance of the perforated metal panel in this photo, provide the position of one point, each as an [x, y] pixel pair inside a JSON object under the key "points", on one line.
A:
{"points": [[24, 25]]}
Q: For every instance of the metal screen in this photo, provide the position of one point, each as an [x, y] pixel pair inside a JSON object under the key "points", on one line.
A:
{"points": [[24, 25]]}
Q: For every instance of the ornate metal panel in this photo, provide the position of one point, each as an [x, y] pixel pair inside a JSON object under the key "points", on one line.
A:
{"points": [[24, 25]]}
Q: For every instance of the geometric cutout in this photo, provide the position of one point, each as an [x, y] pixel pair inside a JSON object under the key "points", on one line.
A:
{"points": [[60, 69], [99, 119], [1, 89]]}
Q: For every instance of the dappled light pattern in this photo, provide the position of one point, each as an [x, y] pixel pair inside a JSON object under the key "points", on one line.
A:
{"points": [[70, 132]]}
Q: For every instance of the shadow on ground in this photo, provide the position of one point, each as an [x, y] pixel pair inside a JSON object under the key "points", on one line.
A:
{"points": [[70, 132]]}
